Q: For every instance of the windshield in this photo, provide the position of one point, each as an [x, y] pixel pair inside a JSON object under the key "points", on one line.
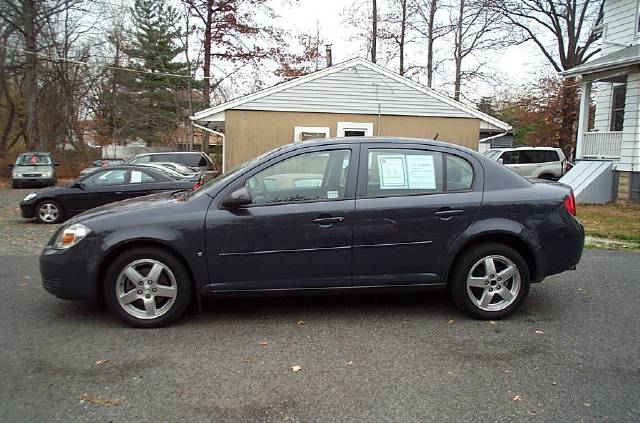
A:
{"points": [[492, 154], [227, 176], [34, 159]]}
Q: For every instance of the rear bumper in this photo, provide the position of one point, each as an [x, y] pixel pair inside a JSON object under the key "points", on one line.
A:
{"points": [[562, 242], [70, 274]]}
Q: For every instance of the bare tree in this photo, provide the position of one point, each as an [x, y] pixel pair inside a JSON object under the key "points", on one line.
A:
{"points": [[429, 29], [573, 25], [395, 29], [29, 18], [477, 29]]}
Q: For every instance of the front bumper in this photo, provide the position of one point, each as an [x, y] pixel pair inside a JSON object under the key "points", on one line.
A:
{"points": [[71, 273], [33, 181], [28, 210]]}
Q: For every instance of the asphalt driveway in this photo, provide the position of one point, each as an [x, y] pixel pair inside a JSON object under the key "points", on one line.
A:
{"points": [[571, 354]]}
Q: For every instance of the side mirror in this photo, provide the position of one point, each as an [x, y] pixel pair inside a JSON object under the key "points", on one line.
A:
{"points": [[10, 165], [501, 161], [56, 164], [80, 185], [238, 198]]}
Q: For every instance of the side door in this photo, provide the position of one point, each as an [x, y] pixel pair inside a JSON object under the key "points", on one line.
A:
{"points": [[102, 187], [412, 202], [298, 230]]}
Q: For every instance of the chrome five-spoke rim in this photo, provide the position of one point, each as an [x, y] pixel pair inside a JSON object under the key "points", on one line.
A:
{"points": [[493, 283], [48, 212], [146, 289]]}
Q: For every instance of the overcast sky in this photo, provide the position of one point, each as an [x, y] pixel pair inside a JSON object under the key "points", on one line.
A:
{"points": [[516, 65]]}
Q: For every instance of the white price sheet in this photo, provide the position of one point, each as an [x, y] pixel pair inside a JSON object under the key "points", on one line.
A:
{"points": [[421, 171], [392, 171]]}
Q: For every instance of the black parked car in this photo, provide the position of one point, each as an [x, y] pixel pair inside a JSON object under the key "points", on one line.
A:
{"points": [[339, 215], [53, 205]]}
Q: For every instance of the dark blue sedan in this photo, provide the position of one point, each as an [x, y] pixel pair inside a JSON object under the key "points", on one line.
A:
{"points": [[336, 215]]}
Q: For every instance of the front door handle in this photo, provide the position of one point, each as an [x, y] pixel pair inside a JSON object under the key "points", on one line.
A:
{"points": [[448, 213], [118, 192], [327, 221]]}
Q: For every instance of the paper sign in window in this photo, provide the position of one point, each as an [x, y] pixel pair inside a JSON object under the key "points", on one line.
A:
{"points": [[136, 176], [421, 172], [393, 173]]}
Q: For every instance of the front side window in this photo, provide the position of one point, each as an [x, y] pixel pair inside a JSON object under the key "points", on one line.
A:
{"points": [[306, 177], [396, 172], [617, 107], [107, 177], [510, 157]]}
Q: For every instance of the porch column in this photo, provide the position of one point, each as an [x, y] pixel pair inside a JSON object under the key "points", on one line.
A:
{"points": [[583, 118]]}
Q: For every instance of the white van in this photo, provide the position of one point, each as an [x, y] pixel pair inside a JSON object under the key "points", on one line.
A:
{"points": [[531, 162]]}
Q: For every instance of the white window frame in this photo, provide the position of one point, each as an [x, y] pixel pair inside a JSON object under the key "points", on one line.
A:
{"points": [[355, 126], [298, 130]]}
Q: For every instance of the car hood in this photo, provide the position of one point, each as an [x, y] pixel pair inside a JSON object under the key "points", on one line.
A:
{"points": [[32, 169], [125, 206]]}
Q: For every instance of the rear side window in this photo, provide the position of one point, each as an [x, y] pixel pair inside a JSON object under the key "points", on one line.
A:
{"points": [[459, 174], [140, 177], [397, 172], [551, 156]]}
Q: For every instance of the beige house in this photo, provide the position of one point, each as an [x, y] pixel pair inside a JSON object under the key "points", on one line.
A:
{"points": [[353, 98]]}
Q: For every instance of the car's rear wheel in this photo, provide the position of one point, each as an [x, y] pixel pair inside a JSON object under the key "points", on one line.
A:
{"points": [[147, 287], [490, 281], [49, 211], [547, 176]]}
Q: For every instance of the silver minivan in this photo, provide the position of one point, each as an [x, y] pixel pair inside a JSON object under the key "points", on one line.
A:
{"points": [[33, 168]]}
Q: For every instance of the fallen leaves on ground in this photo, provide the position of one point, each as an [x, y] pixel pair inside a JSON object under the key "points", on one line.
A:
{"points": [[531, 413], [516, 398], [539, 332], [296, 369], [452, 322], [493, 322], [102, 362], [349, 363], [264, 343], [301, 323], [97, 401]]}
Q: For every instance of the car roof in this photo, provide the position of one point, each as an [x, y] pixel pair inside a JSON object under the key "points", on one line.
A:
{"points": [[526, 148], [35, 152], [169, 152]]}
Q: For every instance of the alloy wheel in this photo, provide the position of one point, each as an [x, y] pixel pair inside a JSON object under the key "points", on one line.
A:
{"points": [[48, 212], [493, 283], [146, 289]]}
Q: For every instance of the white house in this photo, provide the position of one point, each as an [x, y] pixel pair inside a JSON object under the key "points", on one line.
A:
{"points": [[610, 150]]}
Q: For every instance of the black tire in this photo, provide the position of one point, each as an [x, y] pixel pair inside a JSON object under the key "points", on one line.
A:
{"points": [[547, 176], [468, 259], [59, 217], [182, 281]]}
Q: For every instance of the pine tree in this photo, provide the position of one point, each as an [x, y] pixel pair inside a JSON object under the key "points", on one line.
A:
{"points": [[154, 53]]}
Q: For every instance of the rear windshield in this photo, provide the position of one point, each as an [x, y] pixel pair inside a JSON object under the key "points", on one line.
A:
{"points": [[191, 160], [32, 159], [492, 154]]}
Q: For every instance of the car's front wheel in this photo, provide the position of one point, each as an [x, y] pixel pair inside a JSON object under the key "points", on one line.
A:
{"points": [[49, 211], [147, 287], [490, 281]]}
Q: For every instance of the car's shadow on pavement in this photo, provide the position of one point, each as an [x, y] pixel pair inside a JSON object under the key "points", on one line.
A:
{"points": [[434, 305]]}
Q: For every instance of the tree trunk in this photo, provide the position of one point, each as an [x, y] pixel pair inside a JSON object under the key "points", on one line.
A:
{"points": [[568, 115], [30, 72], [458, 53], [374, 32], [430, 26], [403, 29], [206, 91]]}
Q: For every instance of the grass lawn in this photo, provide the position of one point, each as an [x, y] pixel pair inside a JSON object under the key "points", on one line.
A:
{"points": [[613, 221]]}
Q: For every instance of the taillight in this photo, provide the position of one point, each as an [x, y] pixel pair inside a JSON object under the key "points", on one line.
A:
{"points": [[570, 203], [196, 186]]}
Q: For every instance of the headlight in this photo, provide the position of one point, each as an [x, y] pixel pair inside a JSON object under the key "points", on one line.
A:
{"points": [[46, 174], [29, 196], [15, 174], [68, 237]]}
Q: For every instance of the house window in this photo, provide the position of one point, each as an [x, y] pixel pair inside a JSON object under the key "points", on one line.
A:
{"points": [[304, 133], [617, 107], [355, 129]]}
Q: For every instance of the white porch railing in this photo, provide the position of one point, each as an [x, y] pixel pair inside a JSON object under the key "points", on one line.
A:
{"points": [[601, 145]]}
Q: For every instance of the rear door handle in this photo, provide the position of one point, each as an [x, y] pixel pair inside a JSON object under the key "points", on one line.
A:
{"points": [[118, 192], [447, 214], [325, 221]]}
